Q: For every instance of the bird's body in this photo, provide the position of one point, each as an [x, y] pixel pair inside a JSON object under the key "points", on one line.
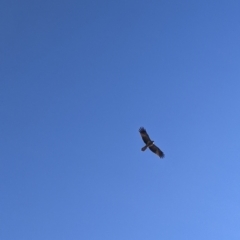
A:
{"points": [[149, 143]]}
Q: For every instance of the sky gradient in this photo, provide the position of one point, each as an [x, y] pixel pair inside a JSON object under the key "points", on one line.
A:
{"points": [[78, 79]]}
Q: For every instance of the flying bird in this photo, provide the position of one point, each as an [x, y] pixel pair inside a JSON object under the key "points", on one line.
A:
{"points": [[149, 143]]}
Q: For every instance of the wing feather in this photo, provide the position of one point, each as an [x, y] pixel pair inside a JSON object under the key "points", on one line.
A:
{"points": [[144, 135], [157, 151]]}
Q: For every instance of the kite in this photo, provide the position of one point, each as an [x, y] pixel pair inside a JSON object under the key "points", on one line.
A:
{"points": [[149, 143]]}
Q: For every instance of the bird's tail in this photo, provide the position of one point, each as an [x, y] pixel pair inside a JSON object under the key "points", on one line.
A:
{"points": [[144, 148]]}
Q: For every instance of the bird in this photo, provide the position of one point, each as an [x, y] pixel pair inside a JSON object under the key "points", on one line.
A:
{"points": [[149, 143]]}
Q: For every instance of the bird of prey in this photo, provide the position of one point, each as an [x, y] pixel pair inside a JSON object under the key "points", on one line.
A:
{"points": [[149, 143]]}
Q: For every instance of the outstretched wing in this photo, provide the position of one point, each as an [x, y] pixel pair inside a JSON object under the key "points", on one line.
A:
{"points": [[144, 135], [157, 151]]}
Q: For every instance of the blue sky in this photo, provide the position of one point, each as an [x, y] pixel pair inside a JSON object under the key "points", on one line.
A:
{"points": [[78, 79]]}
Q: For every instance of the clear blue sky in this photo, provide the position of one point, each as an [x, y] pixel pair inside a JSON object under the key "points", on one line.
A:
{"points": [[78, 79]]}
